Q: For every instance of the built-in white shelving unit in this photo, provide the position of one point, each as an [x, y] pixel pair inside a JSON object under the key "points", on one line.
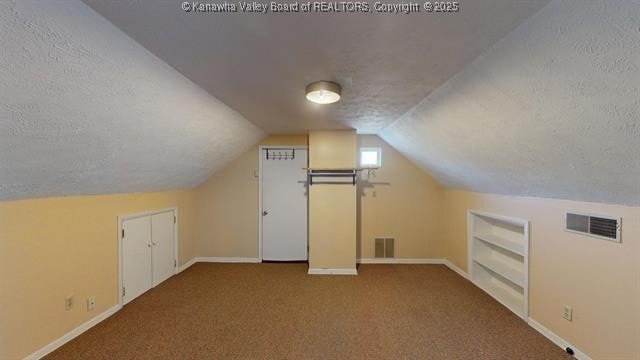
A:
{"points": [[499, 258]]}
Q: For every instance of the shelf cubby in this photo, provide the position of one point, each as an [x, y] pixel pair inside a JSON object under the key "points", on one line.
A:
{"points": [[498, 258]]}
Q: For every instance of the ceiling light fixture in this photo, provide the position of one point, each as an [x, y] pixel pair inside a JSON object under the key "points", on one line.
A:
{"points": [[323, 92]]}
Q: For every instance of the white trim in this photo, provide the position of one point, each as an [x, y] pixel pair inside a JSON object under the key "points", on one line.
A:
{"points": [[260, 216], [444, 262], [47, 349], [332, 271], [176, 223], [455, 268], [119, 280], [562, 343], [507, 219], [399, 261], [186, 265], [260, 149], [305, 147], [123, 218], [227, 260], [42, 352], [146, 213]]}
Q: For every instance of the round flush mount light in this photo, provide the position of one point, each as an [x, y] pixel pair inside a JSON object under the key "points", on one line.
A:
{"points": [[323, 92]]}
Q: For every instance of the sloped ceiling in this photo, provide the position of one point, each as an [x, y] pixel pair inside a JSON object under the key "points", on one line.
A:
{"points": [[552, 110], [84, 109], [259, 64]]}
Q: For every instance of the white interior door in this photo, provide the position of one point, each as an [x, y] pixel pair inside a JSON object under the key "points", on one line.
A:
{"points": [[163, 249], [136, 257], [284, 205]]}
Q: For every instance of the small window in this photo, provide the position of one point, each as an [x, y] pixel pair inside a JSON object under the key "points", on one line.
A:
{"points": [[370, 157]]}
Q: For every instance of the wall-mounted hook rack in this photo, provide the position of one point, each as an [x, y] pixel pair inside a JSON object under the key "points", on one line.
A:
{"points": [[280, 154]]}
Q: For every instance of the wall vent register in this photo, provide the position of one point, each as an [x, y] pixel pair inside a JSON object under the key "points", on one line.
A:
{"points": [[384, 247], [602, 227]]}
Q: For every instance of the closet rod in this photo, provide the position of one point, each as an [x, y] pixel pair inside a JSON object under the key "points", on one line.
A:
{"points": [[352, 173]]}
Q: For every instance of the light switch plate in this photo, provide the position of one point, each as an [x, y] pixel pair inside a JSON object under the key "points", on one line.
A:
{"points": [[567, 312]]}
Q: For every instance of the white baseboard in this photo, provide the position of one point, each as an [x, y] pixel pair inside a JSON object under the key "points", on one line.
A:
{"points": [[400, 261], [89, 324], [185, 266], [332, 271], [72, 334], [445, 262], [557, 340], [534, 324], [453, 267], [227, 260], [42, 352]]}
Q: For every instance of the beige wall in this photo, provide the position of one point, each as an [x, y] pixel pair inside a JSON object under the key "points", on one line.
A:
{"points": [[333, 149], [332, 226], [55, 247], [599, 279], [227, 205], [332, 207], [401, 201], [386, 205]]}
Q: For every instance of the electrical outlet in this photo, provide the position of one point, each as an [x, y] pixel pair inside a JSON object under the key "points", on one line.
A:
{"points": [[567, 312], [91, 303], [68, 302]]}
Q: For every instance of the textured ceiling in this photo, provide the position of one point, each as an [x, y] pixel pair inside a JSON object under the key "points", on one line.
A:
{"points": [[259, 64], [84, 109], [552, 110]]}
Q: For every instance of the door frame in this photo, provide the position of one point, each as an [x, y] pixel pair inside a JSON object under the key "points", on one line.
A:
{"points": [[261, 148], [123, 218]]}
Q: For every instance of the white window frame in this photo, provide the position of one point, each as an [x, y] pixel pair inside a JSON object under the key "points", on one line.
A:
{"points": [[378, 150]]}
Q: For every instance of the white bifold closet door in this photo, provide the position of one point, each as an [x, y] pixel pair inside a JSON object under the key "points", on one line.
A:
{"points": [[148, 253], [284, 206]]}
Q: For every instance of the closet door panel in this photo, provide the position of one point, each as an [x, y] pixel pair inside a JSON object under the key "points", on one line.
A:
{"points": [[163, 249], [136, 257], [284, 207]]}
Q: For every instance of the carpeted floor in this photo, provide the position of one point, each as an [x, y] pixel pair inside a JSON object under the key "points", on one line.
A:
{"points": [[277, 311]]}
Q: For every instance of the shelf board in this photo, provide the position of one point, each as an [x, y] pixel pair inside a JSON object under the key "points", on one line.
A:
{"points": [[341, 169], [504, 219], [503, 243], [516, 276], [513, 302]]}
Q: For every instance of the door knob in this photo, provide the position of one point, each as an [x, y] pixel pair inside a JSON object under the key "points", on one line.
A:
{"points": [[154, 244], [265, 213], [148, 245]]}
